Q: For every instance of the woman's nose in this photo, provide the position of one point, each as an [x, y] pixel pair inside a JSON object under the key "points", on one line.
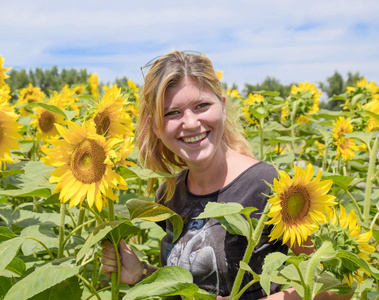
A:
{"points": [[190, 120]]}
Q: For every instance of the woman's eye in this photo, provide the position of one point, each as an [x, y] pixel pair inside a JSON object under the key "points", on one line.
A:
{"points": [[171, 113], [202, 105]]}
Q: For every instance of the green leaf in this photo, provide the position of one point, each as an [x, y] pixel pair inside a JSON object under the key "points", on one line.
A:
{"points": [[122, 231], [235, 224], [330, 283], [341, 181], [365, 137], [4, 174], [272, 262], [67, 289], [359, 262], [99, 233], [258, 113], [24, 218], [8, 250], [44, 234], [284, 159], [269, 93], [26, 192], [151, 211], [244, 266], [136, 171], [16, 266], [327, 114], [167, 281], [6, 234], [52, 108], [5, 285], [40, 280], [216, 210]]}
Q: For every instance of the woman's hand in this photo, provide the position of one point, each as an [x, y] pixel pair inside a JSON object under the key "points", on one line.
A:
{"points": [[131, 266]]}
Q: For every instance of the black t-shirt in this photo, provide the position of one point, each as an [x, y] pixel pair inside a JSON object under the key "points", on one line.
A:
{"points": [[205, 248]]}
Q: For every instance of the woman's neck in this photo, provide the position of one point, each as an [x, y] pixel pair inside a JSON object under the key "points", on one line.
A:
{"points": [[207, 178]]}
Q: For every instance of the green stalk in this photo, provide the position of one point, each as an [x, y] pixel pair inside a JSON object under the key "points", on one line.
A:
{"points": [[261, 124], [61, 230], [370, 174], [82, 212], [293, 119], [314, 262], [115, 279], [43, 245], [355, 204], [255, 236], [89, 286]]}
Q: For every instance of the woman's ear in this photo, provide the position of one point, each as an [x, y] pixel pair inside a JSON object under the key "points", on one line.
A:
{"points": [[223, 100]]}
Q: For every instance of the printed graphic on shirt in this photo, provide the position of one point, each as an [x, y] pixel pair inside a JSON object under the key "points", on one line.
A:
{"points": [[193, 252]]}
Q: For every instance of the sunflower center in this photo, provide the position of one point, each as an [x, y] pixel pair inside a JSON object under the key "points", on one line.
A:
{"points": [[296, 203], [87, 161], [46, 121], [102, 122]]}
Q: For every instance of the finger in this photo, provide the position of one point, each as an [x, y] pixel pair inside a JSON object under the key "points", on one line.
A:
{"points": [[108, 261], [109, 254], [109, 269]]}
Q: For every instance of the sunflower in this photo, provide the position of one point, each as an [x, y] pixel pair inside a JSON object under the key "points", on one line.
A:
{"points": [[5, 91], [345, 147], [45, 121], [345, 232], [110, 119], [93, 84], [127, 147], [373, 106], [307, 99], [360, 94], [65, 100], [2, 71], [84, 166], [29, 95], [298, 205], [253, 101], [8, 133]]}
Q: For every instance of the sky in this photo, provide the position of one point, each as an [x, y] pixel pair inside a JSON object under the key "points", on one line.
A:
{"points": [[292, 41]]}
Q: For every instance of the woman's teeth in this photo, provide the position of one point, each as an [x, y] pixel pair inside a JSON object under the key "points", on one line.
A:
{"points": [[194, 139]]}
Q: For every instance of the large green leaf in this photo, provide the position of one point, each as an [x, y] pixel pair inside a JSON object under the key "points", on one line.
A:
{"points": [[16, 266], [136, 171], [216, 210], [27, 192], [43, 234], [167, 281], [151, 211], [359, 262], [99, 233], [4, 174], [342, 181], [52, 108], [24, 218], [6, 234], [5, 285], [272, 262], [365, 137], [235, 224], [8, 250], [64, 290], [40, 280]]}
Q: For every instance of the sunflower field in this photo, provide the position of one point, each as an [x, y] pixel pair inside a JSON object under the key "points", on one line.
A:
{"points": [[70, 177]]}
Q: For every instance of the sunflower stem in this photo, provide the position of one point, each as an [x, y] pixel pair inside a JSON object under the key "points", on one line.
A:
{"points": [[370, 174], [61, 230], [314, 262], [355, 204], [255, 236], [261, 124], [115, 281]]}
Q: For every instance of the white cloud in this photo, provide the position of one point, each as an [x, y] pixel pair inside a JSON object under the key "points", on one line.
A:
{"points": [[248, 40]]}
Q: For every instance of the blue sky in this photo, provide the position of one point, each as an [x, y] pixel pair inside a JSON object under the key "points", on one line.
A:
{"points": [[293, 41]]}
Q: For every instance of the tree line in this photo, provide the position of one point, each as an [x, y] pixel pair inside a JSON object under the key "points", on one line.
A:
{"points": [[54, 80]]}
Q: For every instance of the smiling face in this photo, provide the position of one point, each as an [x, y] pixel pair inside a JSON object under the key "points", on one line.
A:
{"points": [[193, 123]]}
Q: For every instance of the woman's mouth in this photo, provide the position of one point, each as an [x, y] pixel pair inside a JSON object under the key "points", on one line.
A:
{"points": [[194, 139]]}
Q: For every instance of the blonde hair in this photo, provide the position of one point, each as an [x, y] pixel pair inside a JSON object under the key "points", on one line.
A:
{"points": [[168, 71]]}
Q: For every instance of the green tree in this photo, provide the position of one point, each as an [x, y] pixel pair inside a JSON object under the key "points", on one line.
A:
{"points": [[269, 84]]}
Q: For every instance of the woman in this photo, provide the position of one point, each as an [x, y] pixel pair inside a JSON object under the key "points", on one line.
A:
{"points": [[186, 123]]}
